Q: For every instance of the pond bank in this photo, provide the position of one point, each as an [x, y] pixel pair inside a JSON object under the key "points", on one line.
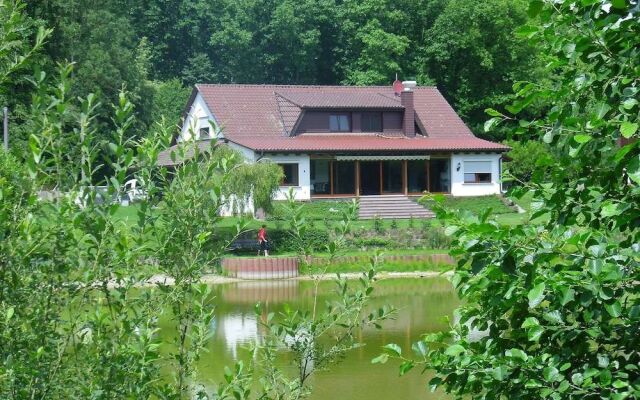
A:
{"points": [[214, 279]]}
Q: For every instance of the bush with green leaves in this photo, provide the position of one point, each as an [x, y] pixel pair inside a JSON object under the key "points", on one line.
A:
{"points": [[525, 158], [552, 309], [79, 310]]}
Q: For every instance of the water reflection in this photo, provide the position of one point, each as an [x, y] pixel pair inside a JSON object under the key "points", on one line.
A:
{"points": [[424, 306]]}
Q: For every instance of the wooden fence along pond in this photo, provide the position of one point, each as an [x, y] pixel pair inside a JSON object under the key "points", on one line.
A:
{"points": [[289, 267]]}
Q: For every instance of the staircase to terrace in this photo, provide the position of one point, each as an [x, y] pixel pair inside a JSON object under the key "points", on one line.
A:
{"points": [[392, 206]]}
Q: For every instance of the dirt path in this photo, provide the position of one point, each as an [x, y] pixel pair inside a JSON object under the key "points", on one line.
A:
{"points": [[214, 279]]}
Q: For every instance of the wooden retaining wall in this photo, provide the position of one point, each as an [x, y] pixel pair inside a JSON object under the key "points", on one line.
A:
{"points": [[261, 267]]}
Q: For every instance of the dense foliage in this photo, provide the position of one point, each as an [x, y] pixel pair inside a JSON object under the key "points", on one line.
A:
{"points": [[79, 312], [552, 308], [157, 49]]}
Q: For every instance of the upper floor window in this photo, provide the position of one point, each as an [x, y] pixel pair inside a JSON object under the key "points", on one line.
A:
{"points": [[339, 123], [477, 172], [371, 122], [205, 133]]}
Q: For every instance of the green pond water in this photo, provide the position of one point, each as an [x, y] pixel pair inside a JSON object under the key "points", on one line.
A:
{"points": [[423, 305]]}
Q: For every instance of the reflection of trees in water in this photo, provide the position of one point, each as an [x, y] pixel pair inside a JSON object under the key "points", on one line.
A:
{"points": [[236, 330], [422, 303]]}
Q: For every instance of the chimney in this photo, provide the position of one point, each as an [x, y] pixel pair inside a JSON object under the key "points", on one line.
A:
{"points": [[406, 99]]}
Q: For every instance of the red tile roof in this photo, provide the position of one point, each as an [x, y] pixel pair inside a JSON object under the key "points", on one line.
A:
{"points": [[261, 117], [337, 143], [326, 98]]}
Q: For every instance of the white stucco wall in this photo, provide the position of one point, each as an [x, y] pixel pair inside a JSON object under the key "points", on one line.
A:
{"points": [[198, 117], [303, 190], [459, 188]]}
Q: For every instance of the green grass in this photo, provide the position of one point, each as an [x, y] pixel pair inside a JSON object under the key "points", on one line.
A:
{"points": [[385, 266], [318, 210], [478, 204]]}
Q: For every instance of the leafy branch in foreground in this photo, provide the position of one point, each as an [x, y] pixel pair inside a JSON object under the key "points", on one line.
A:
{"points": [[552, 308], [317, 338]]}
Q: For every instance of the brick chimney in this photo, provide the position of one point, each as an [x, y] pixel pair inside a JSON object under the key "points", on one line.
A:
{"points": [[406, 99]]}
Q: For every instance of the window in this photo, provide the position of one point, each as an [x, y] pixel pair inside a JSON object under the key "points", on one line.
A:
{"points": [[339, 123], [204, 133], [477, 172], [371, 122], [290, 174]]}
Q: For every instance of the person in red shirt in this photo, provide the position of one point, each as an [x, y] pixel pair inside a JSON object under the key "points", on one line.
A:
{"points": [[262, 241]]}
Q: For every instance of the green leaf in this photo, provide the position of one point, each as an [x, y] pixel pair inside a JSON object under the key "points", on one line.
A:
{"points": [[9, 314], [526, 31], [534, 333], [536, 295], [535, 6], [550, 374], [499, 373], [601, 110], [530, 322], [628, 129], [619, 4], [406, 367], [633, 169], [489, 124], [517, 353], [454, 350], [577, 379], [381, 359], [393, 348], [582, 138], [614, 309], [610, 210]]}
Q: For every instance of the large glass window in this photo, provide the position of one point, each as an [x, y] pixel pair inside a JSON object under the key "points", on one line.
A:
{"points": [[417, 176], [371, 122], [392, 176], [339, 123], [320, 180], [344, 177], [439, 176], [290, 174], [477, 172]]}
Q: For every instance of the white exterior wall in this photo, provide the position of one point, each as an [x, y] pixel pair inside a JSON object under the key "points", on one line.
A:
{"points": [[198, 117], [459, 188], [303, 190]]}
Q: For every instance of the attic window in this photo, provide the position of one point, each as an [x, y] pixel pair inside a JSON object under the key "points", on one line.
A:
{"points": [[339, 123], [371, 122], [205, 133]]}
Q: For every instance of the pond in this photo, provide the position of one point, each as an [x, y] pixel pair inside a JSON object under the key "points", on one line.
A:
{"points": [[423, 305]]}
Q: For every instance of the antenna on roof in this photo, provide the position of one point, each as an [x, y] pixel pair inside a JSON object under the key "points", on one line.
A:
{"points": [[397, 86]]}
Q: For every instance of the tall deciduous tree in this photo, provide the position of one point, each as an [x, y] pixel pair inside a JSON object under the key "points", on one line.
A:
{"points": [[473, 56]]}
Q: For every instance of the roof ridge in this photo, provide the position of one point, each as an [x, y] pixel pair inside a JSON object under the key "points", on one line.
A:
{"points": [[271, 85]]}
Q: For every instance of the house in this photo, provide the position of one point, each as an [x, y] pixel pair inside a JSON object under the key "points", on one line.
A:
{"points": [[346, 141]]}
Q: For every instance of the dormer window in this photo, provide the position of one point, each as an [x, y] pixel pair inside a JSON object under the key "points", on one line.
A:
{"points": [[340, 123], [205, 133], [371, 122]]}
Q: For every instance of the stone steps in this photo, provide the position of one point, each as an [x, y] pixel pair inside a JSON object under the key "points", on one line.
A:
{"points": [[391, 206]]}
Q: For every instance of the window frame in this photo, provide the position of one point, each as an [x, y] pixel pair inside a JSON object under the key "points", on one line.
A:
{"points": [[379, 117], [206, 129], [477, 176], [295, 182], [338, 115]]}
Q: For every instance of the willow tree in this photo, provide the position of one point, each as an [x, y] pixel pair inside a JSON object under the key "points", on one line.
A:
{"points": [[251, 185]]}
